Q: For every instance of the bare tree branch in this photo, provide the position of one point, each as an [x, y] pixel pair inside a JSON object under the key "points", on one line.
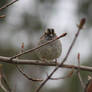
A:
{"points": [[2, 78], [80, 26], [5, 6], [30, 50], [6, 83], [78, 72], [2, 16], [37, 62], [8, 4], [67, 76], [29, 78], [88, 86]]}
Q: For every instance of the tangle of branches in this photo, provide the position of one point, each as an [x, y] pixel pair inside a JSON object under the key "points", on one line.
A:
{"points": [[14, 60]]}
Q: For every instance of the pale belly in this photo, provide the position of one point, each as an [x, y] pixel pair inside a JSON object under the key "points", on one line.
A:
{"points": [[50, 51]]}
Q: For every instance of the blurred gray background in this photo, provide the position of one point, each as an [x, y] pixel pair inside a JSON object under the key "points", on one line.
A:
{"points": [[26, 21]]}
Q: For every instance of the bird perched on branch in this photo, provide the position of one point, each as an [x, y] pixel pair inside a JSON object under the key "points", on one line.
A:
{"points": [[52, 50]]}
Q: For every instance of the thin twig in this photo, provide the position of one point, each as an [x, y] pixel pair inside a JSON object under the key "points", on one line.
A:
{"points": [[29, 78], [2, 16], [67, 76], [30, 50], [8, 4], [88, 86], [78, 72], [3, 79], [6, 83], [2, 86], [80, 26], [21, 71]]}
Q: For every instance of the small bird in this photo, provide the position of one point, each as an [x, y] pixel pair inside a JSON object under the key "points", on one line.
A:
{"points": [[52, 50]]}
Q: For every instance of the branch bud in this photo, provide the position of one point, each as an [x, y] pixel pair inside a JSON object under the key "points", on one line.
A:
{"points": [[82, 22]]}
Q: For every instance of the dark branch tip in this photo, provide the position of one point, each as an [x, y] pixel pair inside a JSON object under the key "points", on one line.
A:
{"points": [[78, 56], [82, 22], [64, 34]]}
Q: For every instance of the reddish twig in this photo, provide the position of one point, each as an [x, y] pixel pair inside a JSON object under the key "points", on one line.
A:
{"points": [[5, 6], [78, 72], [88, 86], [8, 4], [2, 78], [29, 78], [30, 50], [67, 76], [2, 16], [6, 83], [80, 26], [21, 71]]}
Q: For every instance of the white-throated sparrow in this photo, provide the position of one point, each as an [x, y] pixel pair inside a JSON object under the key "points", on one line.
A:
{"points": [[50, 51]]}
